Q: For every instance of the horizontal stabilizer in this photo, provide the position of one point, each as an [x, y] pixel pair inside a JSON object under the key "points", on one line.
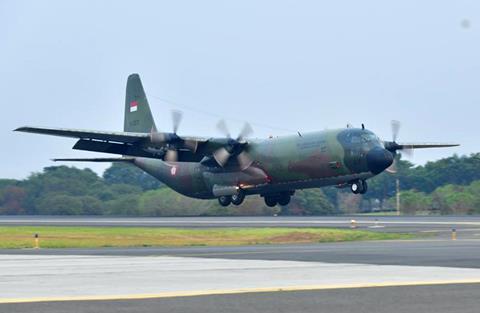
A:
{"points": [[124, 159]]}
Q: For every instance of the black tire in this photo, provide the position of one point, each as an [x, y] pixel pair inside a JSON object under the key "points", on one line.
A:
{"points": [[364, 187], [225, 200], [271, 201], [238, 198], [284, 199]]}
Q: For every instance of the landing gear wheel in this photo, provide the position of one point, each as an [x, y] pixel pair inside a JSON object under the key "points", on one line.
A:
{"points": [[284, 199], [359, 187], [364, 187], [225, 200], [238, 198], [355, 187], [271, 201]]}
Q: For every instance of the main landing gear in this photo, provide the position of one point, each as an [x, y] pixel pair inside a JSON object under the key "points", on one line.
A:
{"points": [[235, 199], [283, 198], [225, 200], [359, 187], [238, 198], [271, 200]]}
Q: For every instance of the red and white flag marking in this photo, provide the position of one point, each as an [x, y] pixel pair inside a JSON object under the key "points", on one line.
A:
{"points": [[133, 106]]}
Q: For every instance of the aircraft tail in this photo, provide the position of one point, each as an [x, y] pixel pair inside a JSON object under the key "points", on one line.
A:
{"points": [[138, 117]]}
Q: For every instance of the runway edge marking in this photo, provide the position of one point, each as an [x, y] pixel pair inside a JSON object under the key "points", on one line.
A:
{"points": [[175, 294]]}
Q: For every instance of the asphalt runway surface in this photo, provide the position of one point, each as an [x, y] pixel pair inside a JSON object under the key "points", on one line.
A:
{"points": [[440, 224], [429, 274], [88, 279], [412, 299], [463, 253]]}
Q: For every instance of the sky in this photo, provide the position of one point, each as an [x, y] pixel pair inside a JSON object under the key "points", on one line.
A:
{"points": [[283, 66]]}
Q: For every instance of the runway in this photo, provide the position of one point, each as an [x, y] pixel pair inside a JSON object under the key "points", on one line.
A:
{"points": [[461, 298], [463, 253], [116, 284], [375, 223], [429, 274]]}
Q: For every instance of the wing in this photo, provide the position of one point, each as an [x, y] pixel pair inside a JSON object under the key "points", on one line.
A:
{"points": [[122, 137], [392, 146], [124, 159], [405, 145], [150, 145]]}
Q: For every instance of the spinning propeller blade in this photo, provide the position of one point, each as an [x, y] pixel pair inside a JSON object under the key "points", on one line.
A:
{"points": [[235, 147], [406, 149]]}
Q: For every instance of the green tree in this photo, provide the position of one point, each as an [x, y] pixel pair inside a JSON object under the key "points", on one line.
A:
{"points": [[124, 205], [124, 173], [8, 182], [57, 180], [91, 205], [166, 202], [12, 200], [474, 190], [309, 202], [454, 199], [412, 202], [60, 205]]}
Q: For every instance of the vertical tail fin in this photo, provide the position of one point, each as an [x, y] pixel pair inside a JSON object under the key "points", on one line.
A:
{"points": [[138, 117]]}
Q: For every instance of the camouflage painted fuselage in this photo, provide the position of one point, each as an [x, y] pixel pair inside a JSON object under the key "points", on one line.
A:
{"points": [[331, 157], [229, 168]]}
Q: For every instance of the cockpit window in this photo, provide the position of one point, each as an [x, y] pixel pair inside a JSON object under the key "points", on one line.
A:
{"points": [[357, 137], [368, 137]]}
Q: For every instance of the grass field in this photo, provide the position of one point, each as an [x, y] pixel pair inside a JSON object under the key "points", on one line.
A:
{"points": [[97, 237]]}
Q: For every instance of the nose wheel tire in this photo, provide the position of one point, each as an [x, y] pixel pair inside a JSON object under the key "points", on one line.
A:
{"points": [[238, 198], [225, 200], [359, 187], [355, 187]]}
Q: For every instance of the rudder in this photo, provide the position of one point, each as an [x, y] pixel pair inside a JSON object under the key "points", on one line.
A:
{"points": [[138, 117]]}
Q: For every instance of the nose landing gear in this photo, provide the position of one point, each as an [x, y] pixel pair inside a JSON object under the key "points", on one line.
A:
{"points": [[359, 187]]}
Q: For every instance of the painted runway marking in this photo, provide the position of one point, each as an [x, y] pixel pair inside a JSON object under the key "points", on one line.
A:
{"points": [[197, 293], [38, 278]]}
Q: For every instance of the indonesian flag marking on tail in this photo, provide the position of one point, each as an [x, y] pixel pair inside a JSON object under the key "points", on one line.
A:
{"points": [[133, 106]]}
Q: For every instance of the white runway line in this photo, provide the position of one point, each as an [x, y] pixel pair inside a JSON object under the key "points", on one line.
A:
{"points": [[109, 277]]}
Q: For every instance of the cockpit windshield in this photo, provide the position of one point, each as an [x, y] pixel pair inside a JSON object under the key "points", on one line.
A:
{"points": [[364, 137], [369, 137]]}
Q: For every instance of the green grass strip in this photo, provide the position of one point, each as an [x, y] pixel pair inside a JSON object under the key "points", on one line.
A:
{"points": [[12, 237]]}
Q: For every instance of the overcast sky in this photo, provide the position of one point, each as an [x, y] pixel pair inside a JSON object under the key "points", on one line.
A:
{"points": [[281, 65]]}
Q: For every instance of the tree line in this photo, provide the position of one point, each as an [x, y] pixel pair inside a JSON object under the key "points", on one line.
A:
{"points": [[447, 186]]}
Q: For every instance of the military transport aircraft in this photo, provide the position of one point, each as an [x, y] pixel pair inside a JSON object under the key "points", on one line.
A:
{"points": [[231, 168]]}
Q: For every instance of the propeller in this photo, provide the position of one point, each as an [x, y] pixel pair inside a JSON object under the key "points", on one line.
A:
{"points": [[395, 130], [393, 147], [235, 147], [176, 120], [172, 141]]}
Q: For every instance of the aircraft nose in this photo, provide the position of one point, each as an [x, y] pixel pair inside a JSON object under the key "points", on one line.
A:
{"points": [[379, 159]]}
